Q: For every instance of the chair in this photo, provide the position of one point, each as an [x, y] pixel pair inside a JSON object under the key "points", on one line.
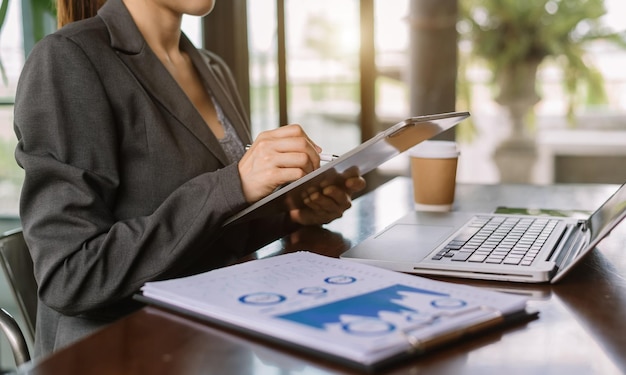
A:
{"points": [[14, 335], [18, 268]]}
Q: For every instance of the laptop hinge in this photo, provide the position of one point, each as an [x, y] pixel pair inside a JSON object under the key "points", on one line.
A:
{"points": [[583, 225]]}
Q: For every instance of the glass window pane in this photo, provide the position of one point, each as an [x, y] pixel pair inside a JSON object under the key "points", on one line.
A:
{"points": [[391, 35], [11, 52], [192, 27], [263, 65], [323, 70], [12, 59], [323, 41]]}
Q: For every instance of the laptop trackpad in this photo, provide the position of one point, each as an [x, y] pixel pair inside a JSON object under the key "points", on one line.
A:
{"points": [[414, 239]]}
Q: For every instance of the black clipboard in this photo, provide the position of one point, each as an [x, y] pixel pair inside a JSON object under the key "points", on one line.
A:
{"points": [[358, 161]]}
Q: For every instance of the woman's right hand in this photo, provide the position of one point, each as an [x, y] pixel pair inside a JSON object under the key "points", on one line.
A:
{"points": [[277, 157]]}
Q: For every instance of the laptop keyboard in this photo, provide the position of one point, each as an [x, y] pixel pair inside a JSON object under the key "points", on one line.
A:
{"points": [[499, 240]]}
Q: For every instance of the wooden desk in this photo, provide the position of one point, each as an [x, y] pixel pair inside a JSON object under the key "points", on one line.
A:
{"points": [[580, 330]]}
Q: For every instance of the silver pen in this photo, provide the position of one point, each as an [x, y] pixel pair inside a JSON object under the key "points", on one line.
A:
{"points": [[323, 157]]}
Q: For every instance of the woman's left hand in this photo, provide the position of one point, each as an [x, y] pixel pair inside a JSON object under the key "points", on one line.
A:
{"points": [[328, 204]]}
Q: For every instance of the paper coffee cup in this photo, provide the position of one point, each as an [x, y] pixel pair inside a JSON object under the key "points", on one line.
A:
{"points": [[433, 170]]}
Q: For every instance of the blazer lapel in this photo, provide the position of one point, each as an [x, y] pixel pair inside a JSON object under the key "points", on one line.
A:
{"points": [[153, 76], [225, 93]]}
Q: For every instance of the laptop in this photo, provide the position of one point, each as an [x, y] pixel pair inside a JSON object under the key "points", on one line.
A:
{"points": [[506, 247]]}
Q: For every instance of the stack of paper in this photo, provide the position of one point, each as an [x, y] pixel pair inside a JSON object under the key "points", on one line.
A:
{"points": [[352, 312]]}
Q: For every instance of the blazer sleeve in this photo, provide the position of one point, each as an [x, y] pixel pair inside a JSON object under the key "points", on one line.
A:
{"points": [[86, 257]]}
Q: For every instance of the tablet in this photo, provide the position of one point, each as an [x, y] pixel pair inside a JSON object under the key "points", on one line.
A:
{"points": [[358, 161]]}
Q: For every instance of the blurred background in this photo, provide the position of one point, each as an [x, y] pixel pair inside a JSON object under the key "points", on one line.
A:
{"points": [[544, 79]]}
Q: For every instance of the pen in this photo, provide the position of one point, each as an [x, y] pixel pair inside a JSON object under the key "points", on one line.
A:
{"points": [[323, 157]]}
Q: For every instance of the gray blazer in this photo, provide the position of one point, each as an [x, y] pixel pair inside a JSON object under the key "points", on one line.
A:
{"points": [[124, 182]]}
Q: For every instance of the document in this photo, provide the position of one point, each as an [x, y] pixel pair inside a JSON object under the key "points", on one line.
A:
{"points": [[355, 313]]}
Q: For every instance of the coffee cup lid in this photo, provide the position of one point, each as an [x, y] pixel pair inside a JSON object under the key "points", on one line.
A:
{"points": [[435, 149]]}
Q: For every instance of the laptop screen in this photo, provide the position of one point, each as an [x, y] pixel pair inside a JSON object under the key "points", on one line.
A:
{"points": [[608, 215], [600, 224]]}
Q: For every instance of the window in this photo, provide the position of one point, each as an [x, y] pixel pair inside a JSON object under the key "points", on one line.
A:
{"points": [[322, 52], [322, 68], [12, 58]]}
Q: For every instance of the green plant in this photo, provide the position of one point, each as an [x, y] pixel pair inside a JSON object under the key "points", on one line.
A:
{"points": [[42, 10], [508, 35]]}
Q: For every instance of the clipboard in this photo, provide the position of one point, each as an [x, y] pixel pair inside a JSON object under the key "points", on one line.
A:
{"points": [[361, 316], [358, 161]]}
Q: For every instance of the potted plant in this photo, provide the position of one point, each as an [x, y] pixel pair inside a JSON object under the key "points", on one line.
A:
{"points": [[513, 38]]}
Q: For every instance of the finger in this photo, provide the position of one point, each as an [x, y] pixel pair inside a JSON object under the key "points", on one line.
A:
{"points": [[338, 195], [281, 176], [284, 152], [332, 200], [299, 145], [271, 148], [355, 184], [296, 130], [293, 160], [288, 131], [307, 216]]}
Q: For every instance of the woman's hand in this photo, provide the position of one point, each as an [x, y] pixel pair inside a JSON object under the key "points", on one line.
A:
{"points": [[326, 205], [283, 155], [277, 157]]}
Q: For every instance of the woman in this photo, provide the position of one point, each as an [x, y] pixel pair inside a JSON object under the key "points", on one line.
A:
{"points": [[132, 142]]}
